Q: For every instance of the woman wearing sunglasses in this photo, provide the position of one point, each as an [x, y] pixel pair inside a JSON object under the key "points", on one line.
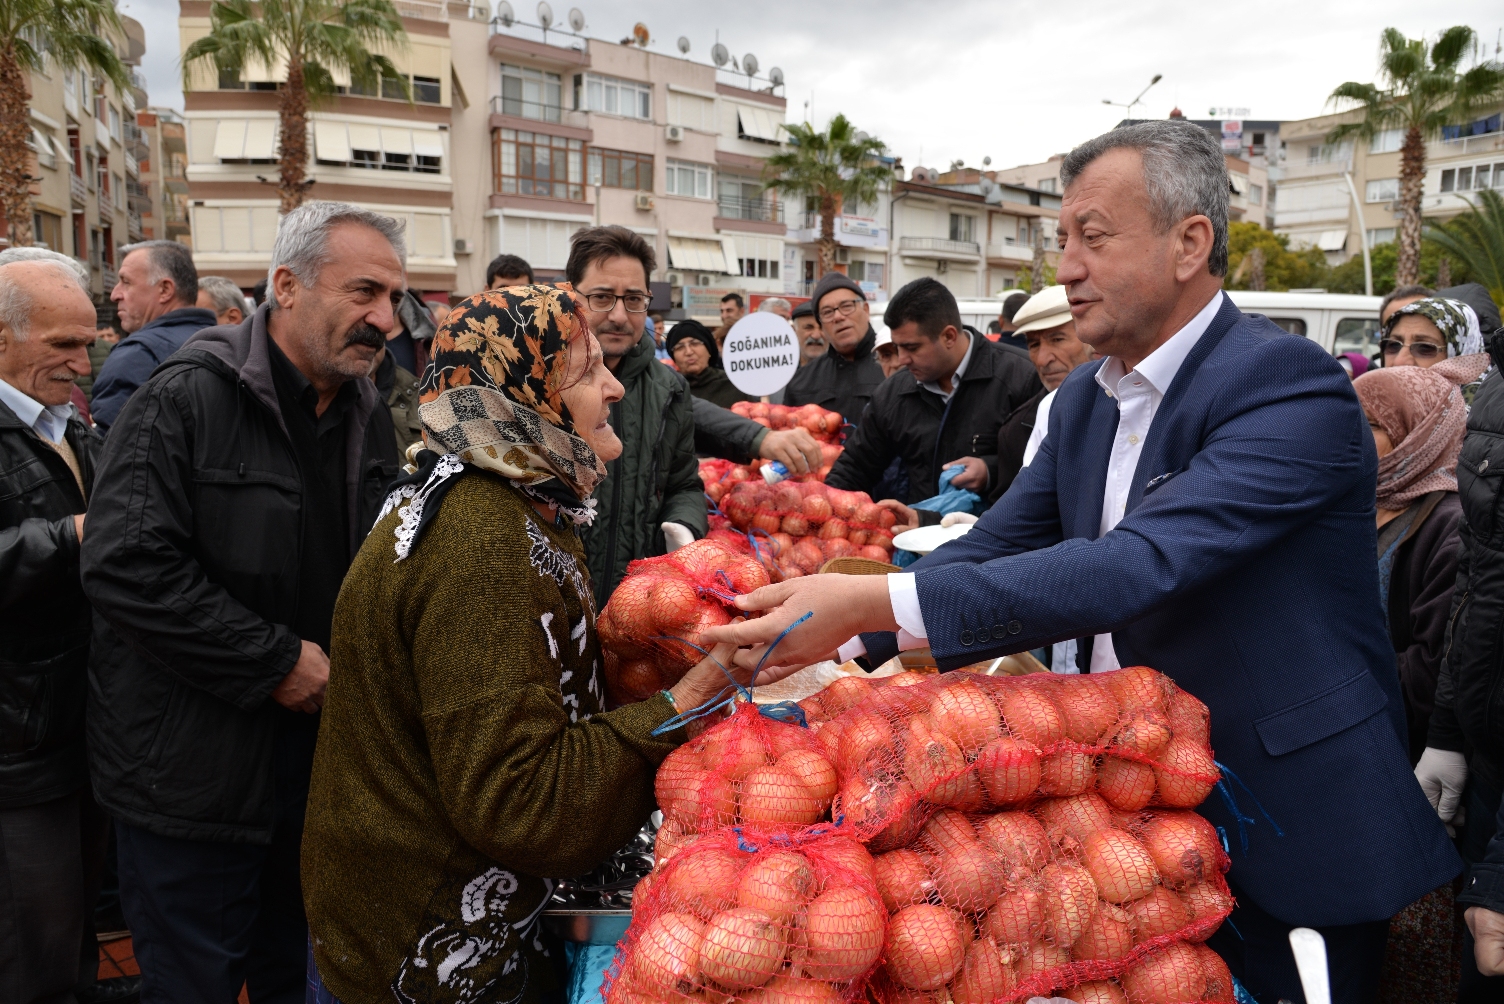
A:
{"points": [[1427, 331]]}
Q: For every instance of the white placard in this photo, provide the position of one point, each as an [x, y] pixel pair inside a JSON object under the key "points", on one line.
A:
{"points": [[761, 353]]}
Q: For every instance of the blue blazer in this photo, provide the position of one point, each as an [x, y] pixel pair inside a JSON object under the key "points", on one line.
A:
{"points": [[1244, 569]]}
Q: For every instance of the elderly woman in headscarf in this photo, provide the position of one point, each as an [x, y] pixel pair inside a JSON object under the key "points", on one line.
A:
{"points": [[1425, 332], [1418, 420], [692, 347], [466, 751]]}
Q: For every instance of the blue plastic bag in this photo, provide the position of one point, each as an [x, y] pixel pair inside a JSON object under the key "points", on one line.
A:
{"points": [[949, 500], [587, 971]]}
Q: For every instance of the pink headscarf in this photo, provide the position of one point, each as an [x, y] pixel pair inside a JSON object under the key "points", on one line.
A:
{"points": [[1423, 412]]}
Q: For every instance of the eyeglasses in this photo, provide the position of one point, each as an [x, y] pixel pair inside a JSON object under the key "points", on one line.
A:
{"points": [[604, 303], [1420, 350], [844, 308]]}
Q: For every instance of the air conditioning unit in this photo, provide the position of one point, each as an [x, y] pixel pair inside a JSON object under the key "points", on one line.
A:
{"points": [[706, 280], [644, 202], [675, 279], [843, 256], [674, 133], [462, 245]]}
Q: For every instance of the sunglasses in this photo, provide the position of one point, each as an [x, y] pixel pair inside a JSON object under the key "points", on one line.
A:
{"points": [[1420, 350]]}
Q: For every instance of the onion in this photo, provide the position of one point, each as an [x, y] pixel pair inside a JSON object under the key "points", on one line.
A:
{"points": [[843, 693], [964, 713], [775, 795], [1188, 718], [1018, 838], [1161, 912], [986, 974], [814, 771], [1205, 900], [864, 736], [1108, 936], [668, 951], [1136, 687], [842, 858], [1042, 957], [1172, 975], [1018, 916], [742, 948], [734, 751], [969, 879], [1119, 864], [1145, 731], [1218, 976], [1087, 708], [672, 837], [843, 929], [1009, 769], [779, 885], [718, 801], [1068, 772], [1097, 992], [886, 804], [1032, 716], [779, 738], [937, 768], [793, 990], [1078, 816], [817, 508], [795, 524], [829, 736], [834, 529], [703, 883], [1070, 900], [677, 786], [925, 947], [948, 831], [902, 878], [1184, 847], [1126, 784], [1187, 774]]}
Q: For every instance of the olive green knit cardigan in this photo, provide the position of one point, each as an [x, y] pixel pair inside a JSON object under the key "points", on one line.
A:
{"points": [[464, 755]]}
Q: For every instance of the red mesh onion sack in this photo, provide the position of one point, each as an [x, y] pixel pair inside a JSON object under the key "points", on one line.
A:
{"points": [[807, 524], [826, 426], [654, 619], [795, 921]]}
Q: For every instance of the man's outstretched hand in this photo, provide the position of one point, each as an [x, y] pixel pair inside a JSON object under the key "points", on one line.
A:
{"points": [[840, 606], [796, 449]]}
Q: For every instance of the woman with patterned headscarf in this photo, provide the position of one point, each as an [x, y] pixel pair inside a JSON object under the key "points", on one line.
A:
{"points": [[466, 750], [1425, 332]]}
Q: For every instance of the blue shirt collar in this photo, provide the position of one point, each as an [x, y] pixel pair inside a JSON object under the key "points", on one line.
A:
{"points": [[48, 421]]}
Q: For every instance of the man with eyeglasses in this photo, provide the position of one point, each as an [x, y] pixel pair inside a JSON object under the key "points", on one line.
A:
{"points": [[652, 500], [844, 378]]}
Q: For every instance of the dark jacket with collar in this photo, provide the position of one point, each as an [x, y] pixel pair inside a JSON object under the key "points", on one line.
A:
{"points": [[132, 361], [1245, 569], [837, 383], [907, 421], [713, 385], [44, 618], [191, 561]]}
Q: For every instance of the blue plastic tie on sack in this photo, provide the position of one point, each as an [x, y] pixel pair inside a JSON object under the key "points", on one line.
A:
{"points": [[716, 703], [1237, 813], [1222, 836]]}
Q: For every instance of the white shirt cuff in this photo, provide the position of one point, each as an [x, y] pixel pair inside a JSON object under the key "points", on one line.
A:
{"points": [[903, 593], [853, 649]]}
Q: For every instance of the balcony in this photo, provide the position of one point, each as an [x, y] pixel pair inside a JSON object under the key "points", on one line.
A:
{"points": [[109, 276], [1320, 169], [439, 10], [133, 227], [1466, 146], [939, 247], [132, 166], [1009, 249], [762, 210], [535, 111], [78, 192], [106, 207]]}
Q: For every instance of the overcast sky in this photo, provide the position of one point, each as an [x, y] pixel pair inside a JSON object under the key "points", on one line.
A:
{"points": [[1013, 81]]}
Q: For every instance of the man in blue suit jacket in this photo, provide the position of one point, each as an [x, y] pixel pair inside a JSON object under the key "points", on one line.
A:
{"points": [[1203, 503]]}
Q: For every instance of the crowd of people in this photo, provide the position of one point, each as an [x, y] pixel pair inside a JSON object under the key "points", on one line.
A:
{"points": [[302, 685]]}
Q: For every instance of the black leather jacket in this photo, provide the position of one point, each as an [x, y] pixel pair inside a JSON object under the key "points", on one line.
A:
{"points": [[44, 618]]}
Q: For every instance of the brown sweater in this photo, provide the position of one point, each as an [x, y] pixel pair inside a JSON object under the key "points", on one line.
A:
{"points": [[464, 754]]}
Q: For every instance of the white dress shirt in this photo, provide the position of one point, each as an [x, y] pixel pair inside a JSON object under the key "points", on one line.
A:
{"points": [[48, 421], [1041, 427], [1138, 392]]}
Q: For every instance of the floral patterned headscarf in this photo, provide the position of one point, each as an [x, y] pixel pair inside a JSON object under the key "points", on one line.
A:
{"points": [[490, 394], [1457, 322]]}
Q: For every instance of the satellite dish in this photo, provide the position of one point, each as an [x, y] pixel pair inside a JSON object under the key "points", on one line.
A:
{"points": [[986, 161], [862, 137], [545, 15], [684, 45], [749, 65], [719, 54], [576, 19], [640, 34], [775, 77], [504, 14]]}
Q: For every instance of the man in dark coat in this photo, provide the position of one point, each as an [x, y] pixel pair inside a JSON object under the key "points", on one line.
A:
{"points": [[693, 349], [52, 834], [843, 379], [234, 491], [943, 408], [156, 298]]}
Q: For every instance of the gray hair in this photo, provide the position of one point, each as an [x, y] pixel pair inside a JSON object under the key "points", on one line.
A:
{"points": [[772, 303], [223, 293], [76, 267], [16, 299], [1185, 174], [303, 238], [169, 260]]}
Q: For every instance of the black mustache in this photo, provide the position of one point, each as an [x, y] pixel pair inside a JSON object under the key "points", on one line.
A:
{"points": [[365, 334]]}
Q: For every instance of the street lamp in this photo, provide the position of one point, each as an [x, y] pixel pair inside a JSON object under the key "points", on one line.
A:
{"points": [[1129, 106]]}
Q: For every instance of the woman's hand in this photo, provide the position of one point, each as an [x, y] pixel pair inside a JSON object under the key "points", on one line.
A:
{"points": [[706, 679], [840, 606], [908, 519]]}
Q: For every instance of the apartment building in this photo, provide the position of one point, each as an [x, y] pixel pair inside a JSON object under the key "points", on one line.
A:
{"points": [[1318, 207], [378, 150], [160, 195], [84, 151]]}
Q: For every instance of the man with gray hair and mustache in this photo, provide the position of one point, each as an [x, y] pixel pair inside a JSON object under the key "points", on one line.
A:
{"points": [[235, 488]]}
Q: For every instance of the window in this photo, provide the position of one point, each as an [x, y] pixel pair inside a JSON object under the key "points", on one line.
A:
{"points": [[391, 87], [1256, 195], [962, 227], [1464, 178], [530, 93], [1046, 184], [621, 169], [612, 96], [1380, 235], [41, 144], [1258, 139], [1387, 141], [47, 230], [1294, 325], [1448, 180], [355, 144], [1322, 154], [114, 118], [1383, 190], [687, 179], [1356, 334], [745, 199], [529, 163], [229, 80], [691, 111], [760, 268], [426, 89]]}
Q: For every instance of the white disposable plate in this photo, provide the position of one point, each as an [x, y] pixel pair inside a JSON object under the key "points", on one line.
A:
{"points": [[924, 539]]}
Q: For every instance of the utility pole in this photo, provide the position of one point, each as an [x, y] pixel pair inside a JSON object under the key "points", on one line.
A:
{"points": [[1362, 235]]}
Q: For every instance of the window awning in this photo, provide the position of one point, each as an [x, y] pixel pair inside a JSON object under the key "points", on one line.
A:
{"points": [[396, 140], [758, 123], [1332, 240], [428, 143], [260, 139], [229, 139], [698, 254], [364, 137], [331, 141], [1239, 182]]}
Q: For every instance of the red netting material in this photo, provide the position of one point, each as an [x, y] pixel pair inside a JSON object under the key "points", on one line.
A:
{"points": [[1030, 835], [807, 524], [827, 426], [663, 603]]}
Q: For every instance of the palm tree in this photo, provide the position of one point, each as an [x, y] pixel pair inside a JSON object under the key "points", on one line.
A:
{"points": [[33, 32], [315, 40], [1423, 91], [836, 167], [1476, 238]]}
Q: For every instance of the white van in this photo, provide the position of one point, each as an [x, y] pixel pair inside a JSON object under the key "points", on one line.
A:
{"points": [[1338, 322]]}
